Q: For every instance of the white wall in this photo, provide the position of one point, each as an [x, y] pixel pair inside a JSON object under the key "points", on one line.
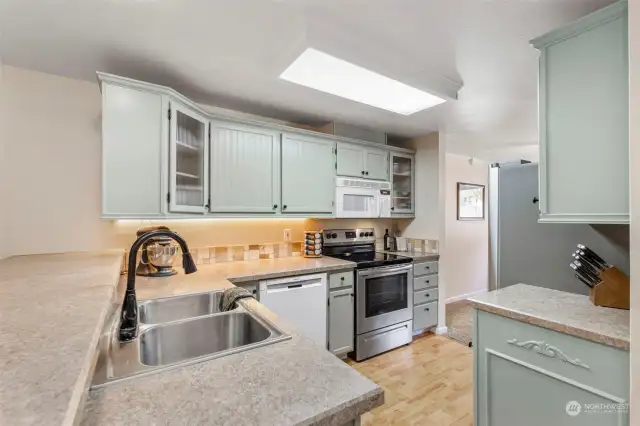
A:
{"points": [[634, 180], [50, 127], [464, 262]]}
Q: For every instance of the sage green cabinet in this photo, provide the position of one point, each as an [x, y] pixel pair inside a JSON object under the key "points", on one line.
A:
{"points": [[244, 168], [188, 159], [362, 161], [530, 376], [308, 174], [341, 313], [584, 138], [403, 176], [132, 155]]}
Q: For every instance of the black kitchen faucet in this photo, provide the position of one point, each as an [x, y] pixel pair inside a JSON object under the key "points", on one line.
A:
{"points": [[129, 318]]}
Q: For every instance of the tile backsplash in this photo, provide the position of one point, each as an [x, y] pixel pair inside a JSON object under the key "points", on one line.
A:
{"points": [[234, 253]]}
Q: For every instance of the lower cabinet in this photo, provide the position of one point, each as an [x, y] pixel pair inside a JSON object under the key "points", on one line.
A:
{"points": [[425, 296], [530, 376], [341, 313]]}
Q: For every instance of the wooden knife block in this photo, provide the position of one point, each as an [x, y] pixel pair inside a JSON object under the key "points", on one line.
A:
{"points": [[613, 291]]}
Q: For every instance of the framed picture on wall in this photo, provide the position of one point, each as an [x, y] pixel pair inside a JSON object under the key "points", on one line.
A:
{"points": [[470, 201]]}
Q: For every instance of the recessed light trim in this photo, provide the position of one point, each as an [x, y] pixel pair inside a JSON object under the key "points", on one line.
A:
{"points": [[326, 73]]}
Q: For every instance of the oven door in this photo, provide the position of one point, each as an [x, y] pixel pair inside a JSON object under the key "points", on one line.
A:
{"points": [[384, 297], [356, 203]]}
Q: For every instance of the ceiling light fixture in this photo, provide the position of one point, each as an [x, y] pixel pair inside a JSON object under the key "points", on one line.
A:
{"points": [[329, 74]]}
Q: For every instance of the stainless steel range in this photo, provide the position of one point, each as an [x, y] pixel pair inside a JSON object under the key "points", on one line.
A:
{"points": [[384, 291]]}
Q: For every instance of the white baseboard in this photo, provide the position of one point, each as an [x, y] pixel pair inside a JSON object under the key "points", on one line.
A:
{"points": [[463, 296], [442, 330]]}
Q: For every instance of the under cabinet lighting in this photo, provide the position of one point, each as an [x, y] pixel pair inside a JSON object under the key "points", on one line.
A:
{"points": [[329, 74]]}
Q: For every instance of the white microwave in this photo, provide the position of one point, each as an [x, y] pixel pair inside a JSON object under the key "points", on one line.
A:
{"points": [[360, 198]]}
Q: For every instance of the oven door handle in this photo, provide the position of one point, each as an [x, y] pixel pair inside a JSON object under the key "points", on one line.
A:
{"points": [[385, 271]]}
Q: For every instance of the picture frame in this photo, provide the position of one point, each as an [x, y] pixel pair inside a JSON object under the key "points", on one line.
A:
{"points": [[470, 201]]}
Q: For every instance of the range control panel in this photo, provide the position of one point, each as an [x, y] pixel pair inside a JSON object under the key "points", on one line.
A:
{"points": [[349, 236]]}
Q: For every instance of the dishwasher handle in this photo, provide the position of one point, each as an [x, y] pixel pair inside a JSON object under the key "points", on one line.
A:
{"points": [[293, 283]]}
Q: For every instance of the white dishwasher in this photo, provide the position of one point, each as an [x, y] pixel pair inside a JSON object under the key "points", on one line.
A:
{"points": [[301, 301]]}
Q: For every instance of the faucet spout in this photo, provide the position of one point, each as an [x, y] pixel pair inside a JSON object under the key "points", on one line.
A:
{"points": [[129, 318]]}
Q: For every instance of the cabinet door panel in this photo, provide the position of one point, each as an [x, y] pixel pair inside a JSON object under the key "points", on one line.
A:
{"points": [[402, 183], [351, 160], [189, 144], [243, 169], [377, 164], [308, 175], [584, 141], [131, 152], [341, 321]]}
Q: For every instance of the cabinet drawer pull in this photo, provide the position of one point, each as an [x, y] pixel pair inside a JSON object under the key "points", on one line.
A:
{"points": [[341, 278], [426, 295], [284, 207], [426, 309], [275, 206]]}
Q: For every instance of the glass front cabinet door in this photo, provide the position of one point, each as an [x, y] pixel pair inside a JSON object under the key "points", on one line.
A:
{"points": [[402, 184], [188, 156]]}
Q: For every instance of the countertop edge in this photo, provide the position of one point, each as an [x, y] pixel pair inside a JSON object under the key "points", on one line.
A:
{"points": [[290, 273], [83, 383], [551, 325], [349, 411], [416, 256]]}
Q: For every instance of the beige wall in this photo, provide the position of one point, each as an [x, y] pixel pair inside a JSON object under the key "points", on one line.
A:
{"points": [[425, 224], [634, 146], [51, 131], [5, 250], [464, 262]]}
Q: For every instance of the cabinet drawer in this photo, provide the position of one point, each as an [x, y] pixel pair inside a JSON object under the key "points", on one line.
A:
{"points": [[425, 268], [423, 296], [341, 279], [425, 282], [572, 361], [425, 315]]}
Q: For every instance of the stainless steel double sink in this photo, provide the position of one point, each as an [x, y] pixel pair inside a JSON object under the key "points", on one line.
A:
{"points": [[177, 331]]}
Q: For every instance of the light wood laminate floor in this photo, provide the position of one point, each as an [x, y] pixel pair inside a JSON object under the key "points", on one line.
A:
{"points": [[429, 382]]}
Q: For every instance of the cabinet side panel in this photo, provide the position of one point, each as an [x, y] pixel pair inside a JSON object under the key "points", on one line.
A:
{"points": [[586, 100], [131, 152]]}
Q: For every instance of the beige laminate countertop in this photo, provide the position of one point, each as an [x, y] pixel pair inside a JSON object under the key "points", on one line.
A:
{"points": [[52, 310], [44, 377], [567, 313]]}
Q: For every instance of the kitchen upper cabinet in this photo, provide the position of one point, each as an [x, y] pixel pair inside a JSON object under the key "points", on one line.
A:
{"points": [[402, 183], [351, 160], [584, 140], [244, 168], [132, 153], [377, 164], [188, 160], [308, 174], [362, 161]]}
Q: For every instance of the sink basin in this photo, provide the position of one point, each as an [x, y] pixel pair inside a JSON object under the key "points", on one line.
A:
{"points": [[167, 309], [178, 331], [180, 341]]}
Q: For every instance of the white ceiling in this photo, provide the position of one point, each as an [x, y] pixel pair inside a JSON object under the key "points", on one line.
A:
{"points": [[231, 52]]}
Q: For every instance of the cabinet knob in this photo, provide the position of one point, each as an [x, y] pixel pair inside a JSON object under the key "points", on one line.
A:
{"points": [[426, 309], [427, 281], [366, 173], [341, 278], [275, 206], [393, 208], [362, 172], [426, 295], [284, 207]]}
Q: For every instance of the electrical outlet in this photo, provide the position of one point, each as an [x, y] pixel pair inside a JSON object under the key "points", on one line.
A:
{"points": [[287, 234]]}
